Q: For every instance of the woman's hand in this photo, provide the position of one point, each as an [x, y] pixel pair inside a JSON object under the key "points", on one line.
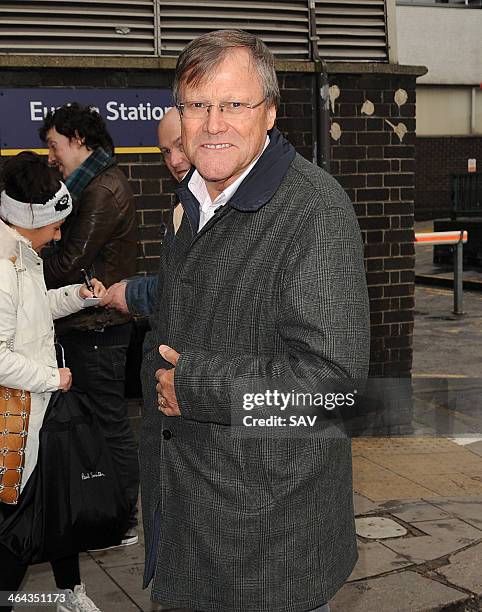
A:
{"points": [[99, 290], [65, 379]]}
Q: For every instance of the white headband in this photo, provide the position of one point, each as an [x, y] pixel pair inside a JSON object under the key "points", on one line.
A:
{"points": [[31, 216]]}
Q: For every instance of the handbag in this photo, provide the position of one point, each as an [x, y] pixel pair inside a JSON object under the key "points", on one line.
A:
{"points": [[73, 500], [78, 490], [14, 417]]}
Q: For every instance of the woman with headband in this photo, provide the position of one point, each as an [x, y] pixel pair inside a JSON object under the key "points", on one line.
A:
{"points": [[33, 206]]}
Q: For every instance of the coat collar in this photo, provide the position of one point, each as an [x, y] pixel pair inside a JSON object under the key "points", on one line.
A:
{"points": [[257, 188], [9, 241]]}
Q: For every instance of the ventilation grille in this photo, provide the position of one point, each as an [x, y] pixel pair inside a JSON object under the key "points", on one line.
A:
{"points": [[352, 29], [348, 29], [282, 24], [98, 27]]}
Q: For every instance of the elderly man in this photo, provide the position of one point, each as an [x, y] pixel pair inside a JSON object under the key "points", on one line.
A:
{"points": [[263, 287], [137, 294]]}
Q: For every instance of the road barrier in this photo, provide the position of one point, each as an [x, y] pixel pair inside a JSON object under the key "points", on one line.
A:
{"points": [[458, 238]]}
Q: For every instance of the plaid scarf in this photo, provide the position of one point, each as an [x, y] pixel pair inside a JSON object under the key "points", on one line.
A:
{"points": [[96, 163]]}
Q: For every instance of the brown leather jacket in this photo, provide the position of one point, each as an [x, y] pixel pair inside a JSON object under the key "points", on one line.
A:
{"points": [[100, 236]]}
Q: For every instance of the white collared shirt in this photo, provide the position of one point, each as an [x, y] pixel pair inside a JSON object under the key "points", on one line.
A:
{"points": [[208, 207]]}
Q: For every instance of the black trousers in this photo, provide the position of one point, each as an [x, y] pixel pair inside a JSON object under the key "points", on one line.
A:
{"points": [[97, 360], [66, 573]]}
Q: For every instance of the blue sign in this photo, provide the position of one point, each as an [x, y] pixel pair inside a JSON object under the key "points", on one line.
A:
{"points": [[131, 115]]}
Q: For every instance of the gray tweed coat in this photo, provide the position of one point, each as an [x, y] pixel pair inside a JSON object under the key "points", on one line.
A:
{"points": [[270, 292]]}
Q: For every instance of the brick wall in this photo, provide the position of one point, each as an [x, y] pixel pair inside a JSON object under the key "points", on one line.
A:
{"points": [[153, 189], [377, 171], [369, 160], [437, 158]]}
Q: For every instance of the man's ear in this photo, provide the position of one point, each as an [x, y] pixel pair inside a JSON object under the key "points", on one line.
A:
{"points": [[79, 140], [270, 117]]}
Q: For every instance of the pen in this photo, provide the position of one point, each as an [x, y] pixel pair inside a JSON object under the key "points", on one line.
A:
{"points": [[88, 284]]}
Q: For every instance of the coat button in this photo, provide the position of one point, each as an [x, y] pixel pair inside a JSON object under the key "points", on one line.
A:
{"points": [[166, 434]]}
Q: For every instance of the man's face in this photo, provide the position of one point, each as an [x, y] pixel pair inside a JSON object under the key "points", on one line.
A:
{"points": [[64, 153], [169, 134], [220, 148]]}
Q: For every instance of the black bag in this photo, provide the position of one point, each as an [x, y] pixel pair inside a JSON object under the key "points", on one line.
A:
{"points": [[73, 501], [82, 501]]}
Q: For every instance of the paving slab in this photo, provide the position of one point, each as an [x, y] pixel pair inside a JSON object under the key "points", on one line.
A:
{"points": [[449, 484], [365, 469], [390, 487], [130, 577], [374, 558], [435, 463], [421, 549], [402, 445], [450, 528], [415, 511], [469, 509], [465, 569], [100, 588], [125, 555], [443, 538], [402, 592], [363, 505]]}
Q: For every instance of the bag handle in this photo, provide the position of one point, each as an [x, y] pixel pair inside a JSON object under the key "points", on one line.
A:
{"points": [[62, 353]]}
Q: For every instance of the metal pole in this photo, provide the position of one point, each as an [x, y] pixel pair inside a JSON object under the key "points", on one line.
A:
{"points": [[322, 94], [324, 122], [458, 276]]}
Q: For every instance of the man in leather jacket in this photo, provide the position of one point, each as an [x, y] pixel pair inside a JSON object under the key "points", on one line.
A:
{"points": [[100, 237]]}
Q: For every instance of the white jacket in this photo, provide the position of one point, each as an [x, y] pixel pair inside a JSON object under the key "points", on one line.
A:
{"points": [[27, 311]]}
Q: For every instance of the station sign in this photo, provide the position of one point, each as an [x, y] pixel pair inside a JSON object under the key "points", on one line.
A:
{"points": [[131, 115]]}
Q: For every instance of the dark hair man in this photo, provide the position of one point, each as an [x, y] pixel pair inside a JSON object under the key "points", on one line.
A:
{"points": [[261, 289], [100, 237]]}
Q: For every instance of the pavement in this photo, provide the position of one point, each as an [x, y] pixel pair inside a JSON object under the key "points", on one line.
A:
{"points": [[418, 496]]}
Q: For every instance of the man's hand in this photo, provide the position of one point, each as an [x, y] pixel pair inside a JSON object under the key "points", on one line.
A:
{"points": [[116, 297], [166, 393]]}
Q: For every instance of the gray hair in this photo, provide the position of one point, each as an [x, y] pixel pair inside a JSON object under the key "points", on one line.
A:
{"points": [[203, 54]]}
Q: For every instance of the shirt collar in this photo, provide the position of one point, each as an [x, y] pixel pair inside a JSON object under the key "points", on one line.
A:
{"points": [[258, 187], [198, 188]]}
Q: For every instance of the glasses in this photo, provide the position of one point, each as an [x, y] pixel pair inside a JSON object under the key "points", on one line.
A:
{"points": [[198, 110]]}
